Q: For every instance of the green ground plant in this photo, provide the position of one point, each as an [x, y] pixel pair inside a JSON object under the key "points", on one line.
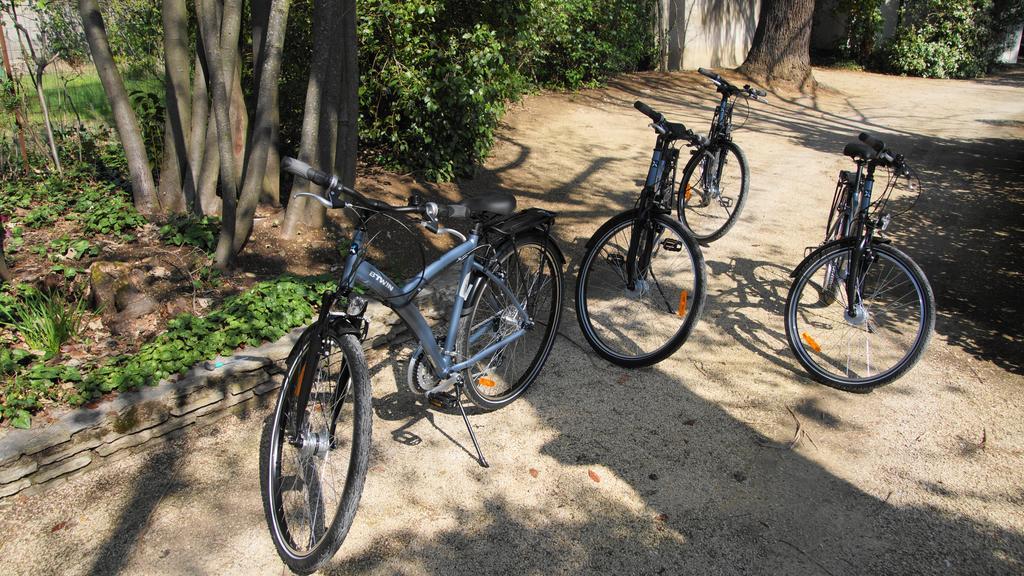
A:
{"points": [[44, 320], [187, 230]]}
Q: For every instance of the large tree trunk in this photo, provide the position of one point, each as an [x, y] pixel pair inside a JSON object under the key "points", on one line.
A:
{"points": [[176, 173], [221, 53], [266, 103], [782, 41], [303, 212], [348, 116], [143, 191]]}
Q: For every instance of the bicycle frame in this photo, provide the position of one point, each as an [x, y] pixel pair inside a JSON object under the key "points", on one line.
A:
{"points": [[860, 227], [652, 197], [400, 299]]}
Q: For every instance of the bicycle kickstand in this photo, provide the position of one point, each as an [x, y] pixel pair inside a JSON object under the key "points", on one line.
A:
{"points": [[465, 418]]}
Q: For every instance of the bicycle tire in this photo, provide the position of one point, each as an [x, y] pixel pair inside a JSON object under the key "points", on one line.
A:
{"points": [[598, 308], [494, 382], [808, 317], [351, 388], [708, 218]]}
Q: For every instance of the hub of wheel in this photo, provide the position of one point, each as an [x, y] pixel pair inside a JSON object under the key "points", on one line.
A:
{"points": [[314, 444], [859, 316]]}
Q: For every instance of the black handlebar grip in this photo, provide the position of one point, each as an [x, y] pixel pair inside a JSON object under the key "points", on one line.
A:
{"points": [[648, 111], [710, 74], [875, 143], [303, 170]]}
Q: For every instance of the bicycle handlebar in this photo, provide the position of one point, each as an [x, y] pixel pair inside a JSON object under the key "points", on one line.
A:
{"points": [[651, 113], [886, 157], [724, 84]]}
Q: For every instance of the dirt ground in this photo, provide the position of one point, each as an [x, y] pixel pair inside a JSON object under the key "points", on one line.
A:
{"points": [[685, 467]]}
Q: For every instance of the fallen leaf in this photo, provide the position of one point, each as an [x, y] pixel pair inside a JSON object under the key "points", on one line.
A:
{"points": [[534, 472], [59, 526], [593, 476], [661, 517]]}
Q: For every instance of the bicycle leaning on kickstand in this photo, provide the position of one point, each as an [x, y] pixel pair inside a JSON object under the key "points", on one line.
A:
{"points": [[641, 284], [716, 179], [314, 451], [860, 312]]}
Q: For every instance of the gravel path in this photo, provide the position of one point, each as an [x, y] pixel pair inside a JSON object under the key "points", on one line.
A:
{"points": [[685, 467]]}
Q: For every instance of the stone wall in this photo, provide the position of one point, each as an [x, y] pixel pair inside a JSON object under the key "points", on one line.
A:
{"points": [[84, 439]]}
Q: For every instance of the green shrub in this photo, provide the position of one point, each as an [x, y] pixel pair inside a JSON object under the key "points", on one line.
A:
{"points": [[435, 74], [950, 38], [863, 26], [103, 208]]}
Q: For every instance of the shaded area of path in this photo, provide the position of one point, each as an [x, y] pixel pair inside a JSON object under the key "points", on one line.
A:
{"points": [[688, 467]]}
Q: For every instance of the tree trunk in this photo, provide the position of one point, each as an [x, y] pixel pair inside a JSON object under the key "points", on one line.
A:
{"points": [[303, 212], [177, 173], [19, 113], [5, 273], [239, 118], [262, 139], [221, 53], [143, 191], [348, 116], [39, 63], [781, 46], [209, 174]]}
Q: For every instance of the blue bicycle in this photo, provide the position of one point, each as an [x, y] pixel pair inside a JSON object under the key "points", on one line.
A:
{"points": [[314, 451]]}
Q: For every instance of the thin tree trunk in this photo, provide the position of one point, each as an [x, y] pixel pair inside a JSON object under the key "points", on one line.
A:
{"points": [[221, 54], [266, 103], [39, 63], [781, 45], [239, 119], [176, 170], [5, 273], [210, 172], [348, 117], [19, 113], [143, 191], [37, 79], [303, 212], [198, 130]]}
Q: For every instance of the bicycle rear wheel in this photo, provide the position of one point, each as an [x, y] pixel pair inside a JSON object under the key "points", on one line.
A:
{"points": [[311, 484], [645, 324], [714, 189], [885, 336], [532, 269]]}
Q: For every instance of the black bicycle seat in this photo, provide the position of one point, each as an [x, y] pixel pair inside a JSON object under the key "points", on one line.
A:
{"points": [[860, 150]]}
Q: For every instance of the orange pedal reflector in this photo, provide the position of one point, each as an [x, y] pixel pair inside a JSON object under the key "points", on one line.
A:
{"points": [[810, 342], [688, 192], [682, 303], [487, 382], [302, 372]]}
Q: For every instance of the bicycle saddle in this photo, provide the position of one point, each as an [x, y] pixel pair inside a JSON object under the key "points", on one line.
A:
{"points": [[498, 203], [859, 150]]}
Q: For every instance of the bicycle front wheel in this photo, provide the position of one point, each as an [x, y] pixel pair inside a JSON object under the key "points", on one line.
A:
{"points": [[642, 324], [885, 336], [714, 189], [311, 483], [532, 271]]}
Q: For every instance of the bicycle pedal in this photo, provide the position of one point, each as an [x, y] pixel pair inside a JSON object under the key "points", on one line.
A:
{"points": [[443, 400]]}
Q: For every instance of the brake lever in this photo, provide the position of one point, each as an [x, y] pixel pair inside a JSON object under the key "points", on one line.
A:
{"points": [[317, 197]]}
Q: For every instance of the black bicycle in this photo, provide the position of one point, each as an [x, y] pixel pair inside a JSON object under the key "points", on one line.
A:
{"points": [[641, 284], [716, 179], [860, 312]]}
